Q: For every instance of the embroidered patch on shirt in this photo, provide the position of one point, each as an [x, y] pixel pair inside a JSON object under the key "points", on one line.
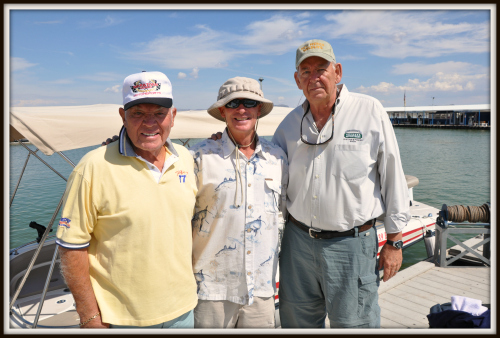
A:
{"points": [[64, 222], [353, 135], [182, 175]]}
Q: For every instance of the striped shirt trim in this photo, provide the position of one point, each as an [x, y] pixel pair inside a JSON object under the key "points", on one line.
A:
{"points": [[71, 246]]}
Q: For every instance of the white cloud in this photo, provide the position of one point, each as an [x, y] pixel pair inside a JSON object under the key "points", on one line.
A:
{"points": [[214, 49], [115, 89], [181, 75], [439, 82], [194, 73], [303, 15], [422, 69], [398, 34], [20, 64]]}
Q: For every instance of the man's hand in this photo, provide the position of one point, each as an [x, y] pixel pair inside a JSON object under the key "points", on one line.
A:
{"points": [[216, 136], [390, 257], [110, 140]]}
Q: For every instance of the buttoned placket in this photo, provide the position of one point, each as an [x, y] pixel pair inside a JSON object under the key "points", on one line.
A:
{"points": [[250, 205], [318, 177]]}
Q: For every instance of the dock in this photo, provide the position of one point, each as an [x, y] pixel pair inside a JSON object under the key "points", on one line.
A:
{"points": [[405, 300], [442, 126]]}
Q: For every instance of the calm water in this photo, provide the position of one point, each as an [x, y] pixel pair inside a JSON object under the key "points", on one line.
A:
{"points": [[453, 167]]}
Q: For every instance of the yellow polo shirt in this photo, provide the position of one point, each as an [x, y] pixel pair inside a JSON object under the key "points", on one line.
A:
{"points": [[138, 232]]}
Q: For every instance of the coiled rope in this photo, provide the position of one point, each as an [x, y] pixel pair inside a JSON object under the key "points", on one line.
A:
{"points": [[472, 214]]}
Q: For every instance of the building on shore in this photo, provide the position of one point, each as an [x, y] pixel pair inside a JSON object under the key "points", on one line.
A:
{"points": [[452, 116]]}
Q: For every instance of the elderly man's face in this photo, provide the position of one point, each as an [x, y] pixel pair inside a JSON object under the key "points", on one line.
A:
{"points": [[318, 79], [148, 126]]}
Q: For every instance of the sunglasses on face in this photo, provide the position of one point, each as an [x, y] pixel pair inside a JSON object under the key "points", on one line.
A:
{"points": [[246, 102]]}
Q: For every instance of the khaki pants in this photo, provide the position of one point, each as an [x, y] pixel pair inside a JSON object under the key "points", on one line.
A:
{"points": [[218, 314]]}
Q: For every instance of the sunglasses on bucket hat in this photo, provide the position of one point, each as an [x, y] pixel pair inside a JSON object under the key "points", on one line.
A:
{"points": [[248, 103]]}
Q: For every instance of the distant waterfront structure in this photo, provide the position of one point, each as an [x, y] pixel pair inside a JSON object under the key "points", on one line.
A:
{"points": [[260, 80], [451, 116]]}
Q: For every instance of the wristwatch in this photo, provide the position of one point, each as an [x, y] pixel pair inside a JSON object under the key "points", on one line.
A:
{"points": [[396, 244]]}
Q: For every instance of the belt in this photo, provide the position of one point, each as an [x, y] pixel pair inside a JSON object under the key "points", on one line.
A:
{"points": [[324, 234]]}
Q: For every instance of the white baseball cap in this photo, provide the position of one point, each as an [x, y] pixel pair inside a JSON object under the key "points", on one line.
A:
{"points": [[147, 87]]}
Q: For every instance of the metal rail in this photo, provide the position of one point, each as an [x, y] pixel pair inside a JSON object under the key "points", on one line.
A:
{"points": [[444, 231], [48, 165], [42, 240], [20, 176]]}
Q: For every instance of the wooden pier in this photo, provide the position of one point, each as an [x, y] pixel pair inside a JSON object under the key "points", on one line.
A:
{"points": [[406, 299]]}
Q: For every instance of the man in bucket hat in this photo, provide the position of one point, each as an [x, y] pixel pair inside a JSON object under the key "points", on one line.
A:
{"points": [[125, 236], [345, 171], [241, 187]]}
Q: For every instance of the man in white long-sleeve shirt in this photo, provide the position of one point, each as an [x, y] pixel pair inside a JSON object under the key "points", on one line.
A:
{"points": [[344, 172]]}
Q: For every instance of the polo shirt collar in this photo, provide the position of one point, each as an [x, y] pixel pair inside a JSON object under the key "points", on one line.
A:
{"points": [[126, 149], [228, 147]]}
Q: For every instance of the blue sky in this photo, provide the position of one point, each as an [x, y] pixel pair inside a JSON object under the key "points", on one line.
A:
{"points": [[78, 57]]}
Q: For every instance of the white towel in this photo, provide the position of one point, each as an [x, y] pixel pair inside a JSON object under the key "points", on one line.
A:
{"points": [[470, 305]]}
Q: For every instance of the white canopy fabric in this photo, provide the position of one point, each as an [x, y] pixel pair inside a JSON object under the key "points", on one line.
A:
{"points": [[60, 128]]}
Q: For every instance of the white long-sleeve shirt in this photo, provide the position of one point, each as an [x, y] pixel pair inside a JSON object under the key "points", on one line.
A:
{"points": [[355, 177]]}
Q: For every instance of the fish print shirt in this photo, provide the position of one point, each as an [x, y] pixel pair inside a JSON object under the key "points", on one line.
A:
{"points": [[235, 249]]}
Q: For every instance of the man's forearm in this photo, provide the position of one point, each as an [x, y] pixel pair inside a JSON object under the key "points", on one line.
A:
{"points": [[75, 270]]}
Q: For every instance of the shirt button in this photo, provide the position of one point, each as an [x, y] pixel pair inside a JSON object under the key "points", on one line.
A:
{"points": [[249, 207], [249, 184], [314, 197], [248, 230], [319, 156], [249, 252], [317, 176], [249, 273], [314, 217]]}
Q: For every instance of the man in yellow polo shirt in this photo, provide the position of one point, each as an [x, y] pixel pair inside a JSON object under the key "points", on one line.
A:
{"points": [[125, 232]]}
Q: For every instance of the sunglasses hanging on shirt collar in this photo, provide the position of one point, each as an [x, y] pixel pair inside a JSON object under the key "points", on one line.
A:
{"points": [[301, 122]]}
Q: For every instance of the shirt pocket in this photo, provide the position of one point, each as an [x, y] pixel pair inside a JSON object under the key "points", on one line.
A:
{"points": [[351, 161], [272, 191]]}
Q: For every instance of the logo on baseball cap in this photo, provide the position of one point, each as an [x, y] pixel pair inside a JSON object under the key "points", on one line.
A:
{"points": [[314, 48], [147, 87]]}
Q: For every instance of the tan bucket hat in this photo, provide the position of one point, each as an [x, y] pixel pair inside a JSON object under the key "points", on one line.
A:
{"points": [[240, 87]]}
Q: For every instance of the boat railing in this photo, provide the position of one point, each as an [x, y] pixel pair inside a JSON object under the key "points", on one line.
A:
{"points": [[42, 240], [462, 220]]}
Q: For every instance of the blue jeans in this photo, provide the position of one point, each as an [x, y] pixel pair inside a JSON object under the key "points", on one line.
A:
{"points": [[186, 321], [337, 276]]}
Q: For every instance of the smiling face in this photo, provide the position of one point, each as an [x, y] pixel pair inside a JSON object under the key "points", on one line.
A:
{"points": [[241, 121], [148, 127], [318, 79]]}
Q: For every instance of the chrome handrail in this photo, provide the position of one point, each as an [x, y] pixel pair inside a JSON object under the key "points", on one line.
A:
{"points": [[48, 165], [35, 256], [20, 176], [42, 241]]}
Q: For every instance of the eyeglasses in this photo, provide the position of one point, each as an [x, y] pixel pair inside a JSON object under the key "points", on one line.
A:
{"points": [[331, 137], [246, 102]]}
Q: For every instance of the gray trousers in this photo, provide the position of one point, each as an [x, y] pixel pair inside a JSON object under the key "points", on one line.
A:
{"points": [[337, 276]]}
